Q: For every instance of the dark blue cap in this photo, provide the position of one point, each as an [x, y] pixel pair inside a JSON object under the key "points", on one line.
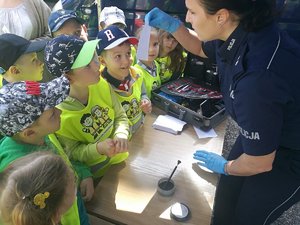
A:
{"points": [[59, 17], [64, 53], [112, 37], [13, 46]]}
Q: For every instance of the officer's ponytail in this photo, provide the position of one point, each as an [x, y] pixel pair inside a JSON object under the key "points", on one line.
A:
{"points": [[253, 14]]}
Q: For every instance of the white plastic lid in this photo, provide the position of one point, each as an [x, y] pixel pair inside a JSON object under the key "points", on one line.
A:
{"points": [[180, 211]]}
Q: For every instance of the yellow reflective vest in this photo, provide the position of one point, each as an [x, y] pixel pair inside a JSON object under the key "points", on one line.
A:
{"points": [[93, 123], [130, 100], [151, 82]]}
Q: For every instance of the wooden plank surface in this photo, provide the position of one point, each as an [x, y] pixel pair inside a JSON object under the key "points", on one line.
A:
{"points": [[97, 221], [127, 193]]}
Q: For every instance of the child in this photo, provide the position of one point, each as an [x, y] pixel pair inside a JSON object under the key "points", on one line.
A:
{"points": [[18, 59], [150, 68], [67, 22], [94, 126], [114, 53], [171, 57], [27, 116], [112, 15], [34, 192]]}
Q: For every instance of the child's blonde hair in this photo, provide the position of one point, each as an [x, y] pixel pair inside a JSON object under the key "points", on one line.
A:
{"points": [[39, 173], [176, 56]]}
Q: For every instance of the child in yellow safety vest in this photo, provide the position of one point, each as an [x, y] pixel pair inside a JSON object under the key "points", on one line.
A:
{"points": [[112, 15], [150, 68], [115, 55], [94, 127], [171, 58]]}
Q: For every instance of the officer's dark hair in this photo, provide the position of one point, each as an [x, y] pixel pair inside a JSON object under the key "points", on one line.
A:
{"points": [[253, 14]]}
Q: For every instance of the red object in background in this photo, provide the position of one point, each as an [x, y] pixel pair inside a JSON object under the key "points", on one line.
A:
{"points": [[138, 23]]}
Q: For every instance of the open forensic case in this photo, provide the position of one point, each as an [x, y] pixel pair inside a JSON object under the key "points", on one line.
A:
{"points": [[194, 98]]}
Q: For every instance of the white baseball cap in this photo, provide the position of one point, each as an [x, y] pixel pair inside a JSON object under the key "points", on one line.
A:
{"points": [[111, 15]]}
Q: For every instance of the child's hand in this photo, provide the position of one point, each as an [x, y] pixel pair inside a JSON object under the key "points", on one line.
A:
{"points": [[107, 147], [146, 106], [87, 189], [121, 144]]}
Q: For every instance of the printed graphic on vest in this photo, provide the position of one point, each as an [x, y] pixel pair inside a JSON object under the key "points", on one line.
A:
{"points": [[131, 108], [155, 85], [96, 121]]}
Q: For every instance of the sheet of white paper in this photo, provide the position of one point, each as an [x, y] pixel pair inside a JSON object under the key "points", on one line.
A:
{"points": [[143, 46], [169, 124], [205, 134]]}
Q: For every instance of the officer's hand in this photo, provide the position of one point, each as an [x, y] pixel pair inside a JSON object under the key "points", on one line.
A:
{"points": [[159, 19], [211, 161], [87, 189]]}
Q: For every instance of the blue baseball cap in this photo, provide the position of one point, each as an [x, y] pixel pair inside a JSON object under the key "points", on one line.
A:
{"points": [[112, 37], [64, 53], [13, 46], [59, 17]]}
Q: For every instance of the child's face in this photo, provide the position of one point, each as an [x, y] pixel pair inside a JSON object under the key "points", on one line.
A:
{"points": [[117, 61], [72, 27], [30, 67], [48, 122], [168, 44], [153, 46], [86, 75]]}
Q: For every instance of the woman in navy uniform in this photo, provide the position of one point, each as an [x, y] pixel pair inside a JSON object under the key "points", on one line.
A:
{"points": [[259, 74]]}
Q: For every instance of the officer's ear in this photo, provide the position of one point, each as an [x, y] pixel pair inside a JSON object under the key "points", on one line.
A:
{"points": [[222, 16]]}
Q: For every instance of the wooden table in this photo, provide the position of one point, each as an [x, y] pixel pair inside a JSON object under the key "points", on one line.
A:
{"points": [[127, 193]]}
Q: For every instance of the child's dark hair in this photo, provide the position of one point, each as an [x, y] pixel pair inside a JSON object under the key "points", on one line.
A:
{"points": [[36, 173], [253, 14], [177, 59]]}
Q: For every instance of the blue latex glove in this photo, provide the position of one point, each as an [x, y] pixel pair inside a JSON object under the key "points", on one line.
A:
{"points": [[160, 19], [211, 161]]}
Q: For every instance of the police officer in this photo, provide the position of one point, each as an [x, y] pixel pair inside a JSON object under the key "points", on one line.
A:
{"points": [[259, 77]]}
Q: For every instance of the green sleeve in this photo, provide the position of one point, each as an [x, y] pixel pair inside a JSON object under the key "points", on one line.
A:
{"points": [[82, 170], [78, 151]]}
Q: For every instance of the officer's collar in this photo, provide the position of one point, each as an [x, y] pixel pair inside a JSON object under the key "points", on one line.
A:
{"points": [[230, 47]]}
